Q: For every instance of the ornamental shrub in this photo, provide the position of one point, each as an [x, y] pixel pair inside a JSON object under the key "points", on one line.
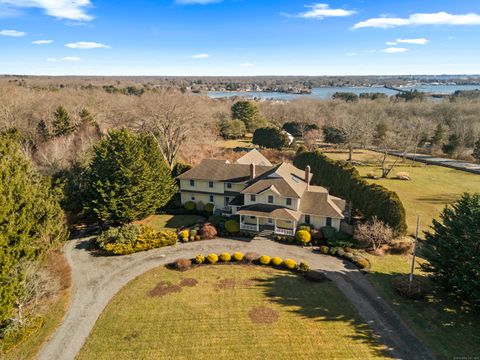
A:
{"points": [[182, 264], [199, 259], [329, 233], [276, 261], [209, 208], [304, 227], [251, 256], [183, 234], [232, 226], [193, 232], [225, 257], [303, 267], [200, 206], [208, 231], [190, 206], [332, 251], [362, 263], [212, 258], [191, 238], [340, 252], [290, 264], [345, 181], [303, 236], [264, 260], [122, 235], [237, 256], [324, 249], [197, 237]]}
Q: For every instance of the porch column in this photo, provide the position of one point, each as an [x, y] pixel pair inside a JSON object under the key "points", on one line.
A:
{"points": [[275, 225], [294, 226], [258, 224]]}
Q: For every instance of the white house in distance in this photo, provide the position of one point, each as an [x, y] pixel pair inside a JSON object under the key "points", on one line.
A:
{"points": [[266, 197]]}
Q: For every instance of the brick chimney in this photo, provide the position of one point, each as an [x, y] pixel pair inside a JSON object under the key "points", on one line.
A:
{"points": [[252, 171], [307, 177]]}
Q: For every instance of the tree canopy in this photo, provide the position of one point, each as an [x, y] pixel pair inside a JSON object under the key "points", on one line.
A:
{"points": [[232, 129], [452, 249], [270, 137], [249, 114], [128, 179]]}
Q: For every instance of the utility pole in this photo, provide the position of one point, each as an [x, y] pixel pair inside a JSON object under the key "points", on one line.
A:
{"points": [[414, 253]]}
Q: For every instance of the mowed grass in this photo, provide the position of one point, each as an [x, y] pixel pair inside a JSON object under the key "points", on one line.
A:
{"points": [[431, 188], [449, 331], [233, 312], [171, 222]]}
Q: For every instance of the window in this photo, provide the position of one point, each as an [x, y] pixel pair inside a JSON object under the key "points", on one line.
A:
{"points": [[270, 199], [210, 184], [229, 185], [270, 221], [211, 198], [192, 182], [289, 201], [307, 219], [193, 198], [329, 221], [253, 198]]}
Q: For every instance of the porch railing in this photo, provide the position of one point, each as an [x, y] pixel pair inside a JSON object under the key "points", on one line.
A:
{"points": [[248, 227], [287, 232]]}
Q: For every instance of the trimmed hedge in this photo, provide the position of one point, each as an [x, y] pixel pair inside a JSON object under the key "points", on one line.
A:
{"points": [[344, 180]]}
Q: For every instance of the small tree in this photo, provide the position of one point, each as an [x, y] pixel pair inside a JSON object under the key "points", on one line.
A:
{"points": [[476, 151], [128, 178], [232, 129], [438, 137], [452, 146], [249, 114], [272, 138], [345, 96], [333, 135], [62, 123], [374, 233], [452, 249]]}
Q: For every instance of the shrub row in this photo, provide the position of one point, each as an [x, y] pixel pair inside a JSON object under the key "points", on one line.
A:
{"points": [[344, 180], [128, 239], [347, 254], [199, 206], [205, 232], [288, 264]]}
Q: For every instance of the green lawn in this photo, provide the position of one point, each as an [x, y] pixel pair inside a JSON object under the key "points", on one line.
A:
{"points": [[431, 187], [447, 329], [229, 312], [172, 222]]}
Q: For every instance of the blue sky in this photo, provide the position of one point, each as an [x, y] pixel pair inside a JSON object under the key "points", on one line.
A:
{"points": [[239, 37]]}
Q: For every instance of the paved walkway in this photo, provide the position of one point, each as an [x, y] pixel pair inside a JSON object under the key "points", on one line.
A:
{"points": [[97, 279]]}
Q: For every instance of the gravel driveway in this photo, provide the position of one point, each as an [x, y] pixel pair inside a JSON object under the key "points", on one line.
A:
{"points": [[97, 279]]}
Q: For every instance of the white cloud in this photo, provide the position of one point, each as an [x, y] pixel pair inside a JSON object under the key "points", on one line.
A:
{"points": [[320, 11], [200, 56], [394, 50], [197, 2], [390, 43], [419, 41], [351, 54], [62, 9], [12, 33], [87, 45], [42, 42], [247, 64], [66, 58], [440, 18]]}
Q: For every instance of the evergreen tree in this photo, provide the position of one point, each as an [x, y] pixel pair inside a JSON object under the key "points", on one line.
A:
{"points": [[452, 146], [42, 131], [453, 249], [476, 151], [232, 129], [31, 221], [272, 138], [128, 178], [438, 136], [62, 123], [249, 114], [87, 118]]}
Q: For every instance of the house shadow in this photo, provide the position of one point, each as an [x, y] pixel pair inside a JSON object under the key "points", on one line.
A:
{"points": [[320, 301]]}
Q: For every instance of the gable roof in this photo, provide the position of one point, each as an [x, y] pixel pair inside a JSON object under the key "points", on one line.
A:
{"points": [[221, 170], [254, 157], [285, 178], [317, 201], [271, 211]]}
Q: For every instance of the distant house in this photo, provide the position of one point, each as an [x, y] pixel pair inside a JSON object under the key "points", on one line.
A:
{"points": [[265, 196]]}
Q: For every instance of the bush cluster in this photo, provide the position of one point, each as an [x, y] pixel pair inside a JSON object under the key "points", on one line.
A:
{"points": [[130, 239], [225, 257], [347, 254], [276, 261], [303, 236], [212, 258], [344, 181], [232, 226], [264, 260], [200, 259], [290, 264], [237, 256]]}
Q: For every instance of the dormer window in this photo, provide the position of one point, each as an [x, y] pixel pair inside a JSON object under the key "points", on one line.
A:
{"points": [[210, 184], [192, 182], [270, 199], [288, 201]]}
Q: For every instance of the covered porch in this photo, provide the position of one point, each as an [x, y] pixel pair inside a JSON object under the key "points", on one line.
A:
{"points": [[260, 217]]}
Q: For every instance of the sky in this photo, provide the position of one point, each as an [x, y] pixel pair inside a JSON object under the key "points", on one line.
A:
{"points": [[239, 37]]}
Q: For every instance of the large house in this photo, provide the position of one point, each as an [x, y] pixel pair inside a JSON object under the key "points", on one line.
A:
{"points": [[265, 196]]}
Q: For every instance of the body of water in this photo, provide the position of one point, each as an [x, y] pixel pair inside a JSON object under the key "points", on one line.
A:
{"points": [[327, 92]]}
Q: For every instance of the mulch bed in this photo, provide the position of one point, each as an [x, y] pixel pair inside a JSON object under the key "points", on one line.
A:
{"points": [[188, 282], [263, 315]]}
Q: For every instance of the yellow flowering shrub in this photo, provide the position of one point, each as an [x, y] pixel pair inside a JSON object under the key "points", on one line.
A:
{"points": [[276, 261], [290, 264], [237, 256], [264, 260], [212, 258]]}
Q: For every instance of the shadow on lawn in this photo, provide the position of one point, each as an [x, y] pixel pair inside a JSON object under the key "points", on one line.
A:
{"points": [[322, 302], [440, 199]]}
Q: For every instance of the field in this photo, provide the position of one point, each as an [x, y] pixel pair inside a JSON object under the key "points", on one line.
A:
{"points": [[449, 331], [229, 311], [431, 187], [171, 222]]}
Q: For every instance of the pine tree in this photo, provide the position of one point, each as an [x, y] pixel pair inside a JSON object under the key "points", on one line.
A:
{"points": [[62, 123], [128, 178], [31, 220], [87, 118], [453, 249], [249, 114], [476, 151], [438, 136]]}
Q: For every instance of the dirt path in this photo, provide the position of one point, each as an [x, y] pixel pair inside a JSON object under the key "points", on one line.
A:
{"points": [[97, 279]]}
